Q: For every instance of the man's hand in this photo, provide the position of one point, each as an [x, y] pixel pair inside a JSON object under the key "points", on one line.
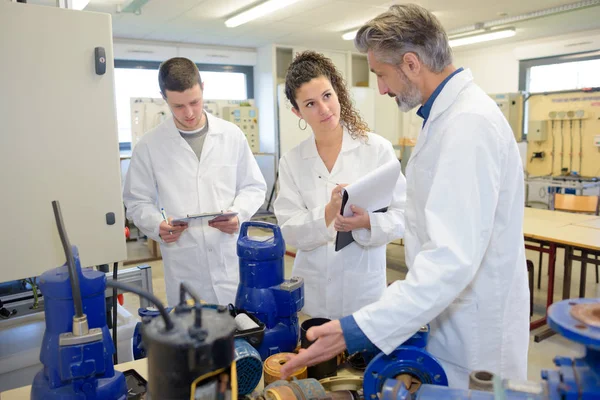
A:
{"points": [[329, 342], [226, 225], [170, 233], [360, 219]]}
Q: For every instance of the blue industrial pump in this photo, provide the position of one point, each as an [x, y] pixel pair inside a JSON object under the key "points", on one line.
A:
{"points": [[263, 291], [77, 348], [576, 379], [410, 360]]}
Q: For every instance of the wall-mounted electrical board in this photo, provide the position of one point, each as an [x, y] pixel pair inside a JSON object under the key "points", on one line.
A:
{"points": [[246, 118]]}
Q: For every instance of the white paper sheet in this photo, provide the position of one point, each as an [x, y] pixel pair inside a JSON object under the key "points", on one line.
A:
{"points": [[374, 190]]}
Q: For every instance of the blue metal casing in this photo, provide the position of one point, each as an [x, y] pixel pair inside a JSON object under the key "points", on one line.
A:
{"points": [[575, 379], [395, 390], [410, 358], [84, 371], [263, 291], [249, 366]]}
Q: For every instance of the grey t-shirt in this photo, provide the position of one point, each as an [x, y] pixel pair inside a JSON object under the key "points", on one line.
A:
{"points": [[196, 138]]}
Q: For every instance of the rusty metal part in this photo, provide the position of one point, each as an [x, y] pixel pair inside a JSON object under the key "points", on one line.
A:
{"points": [[338, 383], [588, 314], [280, 393], [410, 382], [342, 395], [481, 380]]}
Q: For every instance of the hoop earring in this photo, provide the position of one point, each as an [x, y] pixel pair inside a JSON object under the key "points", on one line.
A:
{"points": [[299, 125]]}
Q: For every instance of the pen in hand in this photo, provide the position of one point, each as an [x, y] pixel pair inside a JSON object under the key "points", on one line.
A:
{"points": [[331, 182], [327, 180], [164, 215]]}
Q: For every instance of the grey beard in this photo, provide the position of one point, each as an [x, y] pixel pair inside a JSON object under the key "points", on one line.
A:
{"points": [[408, 101]]}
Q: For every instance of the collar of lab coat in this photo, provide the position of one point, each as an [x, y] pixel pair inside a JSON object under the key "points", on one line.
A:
{"points": [[444, 100], [449, 93], [309, 147]]}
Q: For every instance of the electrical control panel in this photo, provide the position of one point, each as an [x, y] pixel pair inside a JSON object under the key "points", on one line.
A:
{"points": [[211, 108], [537, 131], [511, 105], [246, 118]]}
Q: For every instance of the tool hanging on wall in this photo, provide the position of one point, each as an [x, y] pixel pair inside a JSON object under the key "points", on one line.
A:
{"points": [[571, 115], [552, 116], [537, 154], [580, 114], [561, 115]]}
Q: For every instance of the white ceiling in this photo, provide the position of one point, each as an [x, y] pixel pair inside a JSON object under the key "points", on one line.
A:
{"points": [[320, 23]]}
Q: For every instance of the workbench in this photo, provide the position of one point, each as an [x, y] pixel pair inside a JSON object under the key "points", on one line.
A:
{"points": [[141, 366], [550, 230]]}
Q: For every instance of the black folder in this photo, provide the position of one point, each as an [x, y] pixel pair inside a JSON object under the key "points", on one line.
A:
{"points": [[343, 239]]}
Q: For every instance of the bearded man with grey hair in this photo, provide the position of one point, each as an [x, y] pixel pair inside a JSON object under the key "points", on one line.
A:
{"points": [[464, 214]]}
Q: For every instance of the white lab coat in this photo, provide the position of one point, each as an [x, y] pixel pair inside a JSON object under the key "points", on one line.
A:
{"points": [[165, 172], [464, 243], [336, 283]]}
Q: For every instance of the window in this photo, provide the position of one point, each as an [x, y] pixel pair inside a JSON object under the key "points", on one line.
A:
{"points": [[140, 79], [560, 73], [132, 82], [224, 85], [566, 76]]}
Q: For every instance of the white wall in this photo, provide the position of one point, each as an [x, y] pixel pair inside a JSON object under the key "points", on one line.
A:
{"points": [[265, 72], [496, 68]]}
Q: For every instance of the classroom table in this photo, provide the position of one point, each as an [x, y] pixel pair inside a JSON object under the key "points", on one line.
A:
{"points": [[550, 230]]}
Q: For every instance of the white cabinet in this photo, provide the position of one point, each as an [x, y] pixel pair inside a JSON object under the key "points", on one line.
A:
{"points": [[59, 139]]}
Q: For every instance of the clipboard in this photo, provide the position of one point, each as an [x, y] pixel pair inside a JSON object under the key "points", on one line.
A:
{"points": [[343, 239], [373, 192], [212, 216]]}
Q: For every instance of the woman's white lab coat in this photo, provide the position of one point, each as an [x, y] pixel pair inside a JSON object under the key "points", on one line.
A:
{"points": [[336, 283], [165, 172], [464, 243]]}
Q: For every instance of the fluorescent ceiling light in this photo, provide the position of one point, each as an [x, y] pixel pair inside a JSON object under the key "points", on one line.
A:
{"points": [[484, 37], [349, 35], [258, 11]]}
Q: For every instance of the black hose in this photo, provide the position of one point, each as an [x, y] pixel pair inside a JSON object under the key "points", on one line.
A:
{"points": [[73, 276], [150, 297], [114, 316], [185, 288]]}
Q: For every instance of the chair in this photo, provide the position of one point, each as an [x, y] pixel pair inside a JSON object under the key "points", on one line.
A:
{"points": [[577, 204]]}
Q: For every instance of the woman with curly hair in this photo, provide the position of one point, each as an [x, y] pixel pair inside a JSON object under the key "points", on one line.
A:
{"points": [[340, 151]]}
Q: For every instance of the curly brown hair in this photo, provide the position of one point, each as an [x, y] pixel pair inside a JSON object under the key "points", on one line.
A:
{"points": [[309, 65]]}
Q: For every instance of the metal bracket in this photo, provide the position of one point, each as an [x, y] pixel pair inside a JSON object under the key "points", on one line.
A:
{"points": [[69, 339], [293, 283]]}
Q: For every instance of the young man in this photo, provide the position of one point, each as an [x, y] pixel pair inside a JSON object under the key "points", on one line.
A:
{"points": [[464, 214], [193, 163]]}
